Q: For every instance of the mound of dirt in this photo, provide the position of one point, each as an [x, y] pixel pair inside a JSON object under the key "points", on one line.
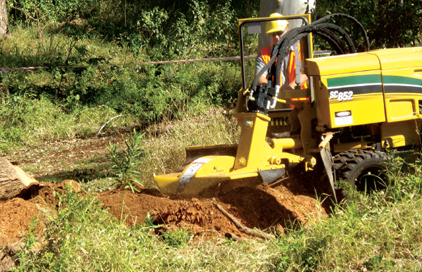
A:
{"points": [[198, 215], [16, 214], [254, 205], [15, 217]]}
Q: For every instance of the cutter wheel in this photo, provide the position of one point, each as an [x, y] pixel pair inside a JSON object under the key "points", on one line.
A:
{"points": [[254, 156]]}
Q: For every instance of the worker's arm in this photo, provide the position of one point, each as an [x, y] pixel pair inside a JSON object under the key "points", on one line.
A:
{"points": [[263, 80]]}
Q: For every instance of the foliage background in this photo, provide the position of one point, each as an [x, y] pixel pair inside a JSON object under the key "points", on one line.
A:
{"points": [[390, 23], [103, 33]]}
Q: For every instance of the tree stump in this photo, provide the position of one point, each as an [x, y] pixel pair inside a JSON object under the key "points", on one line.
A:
{"points": [[12, 180]]}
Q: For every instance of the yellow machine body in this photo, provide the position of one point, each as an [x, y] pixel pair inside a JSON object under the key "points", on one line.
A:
{"points": [[362, 101], [255, 156], [381, 89]]}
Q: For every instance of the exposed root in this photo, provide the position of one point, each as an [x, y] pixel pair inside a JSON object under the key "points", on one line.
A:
{"points": [[253, 232]]}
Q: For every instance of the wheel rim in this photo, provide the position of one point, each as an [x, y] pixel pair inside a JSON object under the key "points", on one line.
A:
{"points": [[371, 178]]}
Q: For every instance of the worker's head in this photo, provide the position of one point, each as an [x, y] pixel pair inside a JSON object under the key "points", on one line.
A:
{"points": [[276, 29]]}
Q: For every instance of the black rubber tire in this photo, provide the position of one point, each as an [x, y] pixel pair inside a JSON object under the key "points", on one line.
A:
{"points": [[363, 169]]}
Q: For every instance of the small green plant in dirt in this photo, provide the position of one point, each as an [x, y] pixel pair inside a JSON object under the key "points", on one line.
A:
{"points": [[126, 163]]}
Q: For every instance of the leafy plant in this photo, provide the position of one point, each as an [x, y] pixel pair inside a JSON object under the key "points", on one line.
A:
{"points": [[126, 163], [51, 11]]}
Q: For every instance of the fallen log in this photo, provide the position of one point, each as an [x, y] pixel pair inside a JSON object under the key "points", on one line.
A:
{"points": [[12, 180]]}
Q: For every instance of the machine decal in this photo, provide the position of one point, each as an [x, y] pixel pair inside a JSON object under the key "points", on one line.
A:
{"points": [[399, 84], [344, 88], [190, 172], [343, 118], [358, 88], [341, 95], [361, 80]]}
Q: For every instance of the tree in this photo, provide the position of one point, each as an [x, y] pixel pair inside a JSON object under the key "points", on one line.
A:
{"points": [[390, 23], [285, 7], [4, 22]]}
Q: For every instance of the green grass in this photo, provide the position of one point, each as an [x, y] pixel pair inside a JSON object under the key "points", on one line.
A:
{"points": [[62, 104], [32, 122], [376, 232], [88, 162], [167, 141], [366, 234]]}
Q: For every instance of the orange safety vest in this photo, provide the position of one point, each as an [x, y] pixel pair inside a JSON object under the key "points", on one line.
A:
{"points": [[266, 56]]}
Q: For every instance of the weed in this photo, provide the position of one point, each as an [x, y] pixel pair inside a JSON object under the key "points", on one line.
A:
{"points": [[405, 178], [126, 164], [300, 250], [177, 237], [377, 262]]}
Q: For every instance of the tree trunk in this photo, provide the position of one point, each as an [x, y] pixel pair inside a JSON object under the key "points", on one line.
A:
{"points": [[284, 7], [4, 22], [12, 180]]}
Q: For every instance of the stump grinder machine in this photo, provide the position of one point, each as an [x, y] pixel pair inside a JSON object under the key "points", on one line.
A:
{"points": [[355, 107]]}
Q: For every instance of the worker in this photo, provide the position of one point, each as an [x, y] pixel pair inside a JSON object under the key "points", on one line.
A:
{"points": [[276, 29]]}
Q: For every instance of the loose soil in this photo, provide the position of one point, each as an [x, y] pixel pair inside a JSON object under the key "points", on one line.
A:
{"points": [[16, 214], [255, 205], [289, 205], [15, 217]]}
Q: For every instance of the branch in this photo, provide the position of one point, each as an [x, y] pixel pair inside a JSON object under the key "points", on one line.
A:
{"points": [[253, 232], [96, 136]]}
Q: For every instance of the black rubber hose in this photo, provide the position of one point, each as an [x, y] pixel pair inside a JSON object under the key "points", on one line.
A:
{"points": [[268, 65], [282, 47], [329, 36], [317, 28], [333, 40], [328, 17], [334, 27]]}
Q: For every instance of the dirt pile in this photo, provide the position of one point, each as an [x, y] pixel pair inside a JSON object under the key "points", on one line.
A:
{"points": [[16, 214], [198, 215], [254, 205], [15, 217]]}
